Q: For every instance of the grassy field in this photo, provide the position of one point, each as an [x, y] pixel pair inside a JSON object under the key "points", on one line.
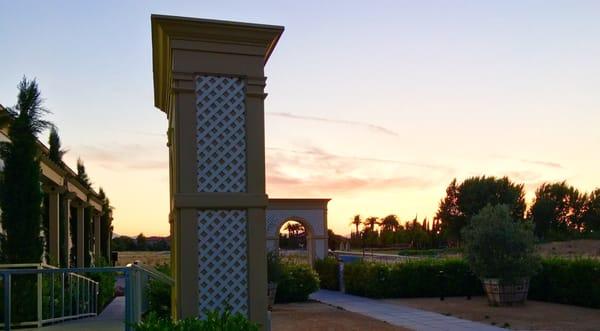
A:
{"points": [[573, 248], [148, 258]]}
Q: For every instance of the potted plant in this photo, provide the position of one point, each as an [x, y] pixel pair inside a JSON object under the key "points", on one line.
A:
{"points": [[501, 252], [274, 270]]}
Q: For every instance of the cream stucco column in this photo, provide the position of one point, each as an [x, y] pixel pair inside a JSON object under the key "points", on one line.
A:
{"points": [[53, 224], [97, 237], [109, 240], [66, 250], [209, 80], [80, 235]]}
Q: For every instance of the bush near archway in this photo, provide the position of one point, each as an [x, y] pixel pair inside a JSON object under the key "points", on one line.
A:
{"points": [[329, 273], [296, 283]]}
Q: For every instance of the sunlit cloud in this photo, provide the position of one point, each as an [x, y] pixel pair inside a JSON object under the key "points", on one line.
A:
{"points": [[316, 172], [122, 156]]}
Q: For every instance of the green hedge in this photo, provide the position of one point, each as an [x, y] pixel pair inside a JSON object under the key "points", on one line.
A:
{"points": [[328, 270], [417, 278], [297, 281], [159, 294], [567, 281]]}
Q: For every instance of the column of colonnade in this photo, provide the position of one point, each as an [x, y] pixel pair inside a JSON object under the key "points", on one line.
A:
{"points": [[73, 209]]}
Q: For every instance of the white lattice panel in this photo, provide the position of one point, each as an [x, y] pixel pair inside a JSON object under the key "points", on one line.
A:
{"points": [[223, 260], [221, 134]]}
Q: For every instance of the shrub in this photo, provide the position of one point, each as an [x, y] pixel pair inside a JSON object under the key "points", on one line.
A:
{"points": [[498, 247], [417, 278], [214, 321], [568, 281], [106, 284], [274, 267], [159, 294], [329, 272], [296, 283], [560, 280]]}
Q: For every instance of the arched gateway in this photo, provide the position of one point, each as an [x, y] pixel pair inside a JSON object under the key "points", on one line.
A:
{"points": [[311, 213]]}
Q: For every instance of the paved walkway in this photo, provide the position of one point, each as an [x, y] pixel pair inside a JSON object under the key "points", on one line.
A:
{"points": [[398, 315], [111, 319]]}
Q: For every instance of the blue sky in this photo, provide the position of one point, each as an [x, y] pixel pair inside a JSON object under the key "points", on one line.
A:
{"points": [[377, 104]]}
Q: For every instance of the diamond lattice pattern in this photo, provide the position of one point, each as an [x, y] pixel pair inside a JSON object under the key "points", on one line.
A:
{"points": [[221, 135], [222, 246]]}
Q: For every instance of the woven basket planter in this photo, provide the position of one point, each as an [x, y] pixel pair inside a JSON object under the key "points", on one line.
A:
{"points": [[506, 294], [271, 292]]}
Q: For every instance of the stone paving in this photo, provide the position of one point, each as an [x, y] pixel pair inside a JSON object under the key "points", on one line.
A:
{"points": [[398, 315], [111, 319]]}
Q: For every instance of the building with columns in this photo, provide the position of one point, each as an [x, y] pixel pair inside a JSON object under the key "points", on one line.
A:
{"points": [[68, 204]]}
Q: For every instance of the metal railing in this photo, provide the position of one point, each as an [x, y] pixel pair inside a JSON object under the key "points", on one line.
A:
{"points": [[82, 292], [59, 295]]}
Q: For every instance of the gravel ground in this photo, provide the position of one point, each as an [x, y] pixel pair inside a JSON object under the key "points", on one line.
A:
{"points": [[314, 316], [534, 315]]}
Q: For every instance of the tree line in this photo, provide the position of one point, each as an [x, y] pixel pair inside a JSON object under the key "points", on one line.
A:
{"points": [[389, 231], [558, 211], [140, 243]]}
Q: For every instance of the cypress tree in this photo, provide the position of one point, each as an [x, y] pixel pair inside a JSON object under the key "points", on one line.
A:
{"points": [[20, 191], [56, 153], [83, 177], [105, 223]]}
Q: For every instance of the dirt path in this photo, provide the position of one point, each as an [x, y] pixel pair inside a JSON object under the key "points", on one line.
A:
{"points": [[314, 316], [534, 315]]}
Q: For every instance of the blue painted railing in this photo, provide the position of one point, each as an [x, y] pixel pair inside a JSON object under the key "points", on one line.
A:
{"points": [[136, 277]]}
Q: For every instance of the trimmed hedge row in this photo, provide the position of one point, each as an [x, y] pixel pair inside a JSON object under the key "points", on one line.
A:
{"points": [[329, 272], [567, 281], [417, 278]]}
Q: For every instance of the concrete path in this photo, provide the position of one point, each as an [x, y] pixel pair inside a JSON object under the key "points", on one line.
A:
{"points": [[398, 315], [111, 319]]}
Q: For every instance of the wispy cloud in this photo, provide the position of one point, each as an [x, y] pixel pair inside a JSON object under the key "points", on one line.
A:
{"points": [[543, 163], [373, 127], [120, 156], [330, 156]]}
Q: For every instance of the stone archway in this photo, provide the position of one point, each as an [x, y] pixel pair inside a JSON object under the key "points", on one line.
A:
{"points": [[311, 213]]}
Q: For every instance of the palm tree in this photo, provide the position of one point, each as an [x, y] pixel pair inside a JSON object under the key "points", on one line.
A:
{"points": [[370, 223], [290, 228], [356, 221], [20, 193], [300, 230], [390, 223]]}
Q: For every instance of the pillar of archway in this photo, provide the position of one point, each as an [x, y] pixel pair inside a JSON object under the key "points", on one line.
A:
{"points": [[209, 80], [311, 213]]}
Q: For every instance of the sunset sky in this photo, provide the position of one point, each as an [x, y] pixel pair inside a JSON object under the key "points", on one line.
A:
{"points": [[377, 105]]}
